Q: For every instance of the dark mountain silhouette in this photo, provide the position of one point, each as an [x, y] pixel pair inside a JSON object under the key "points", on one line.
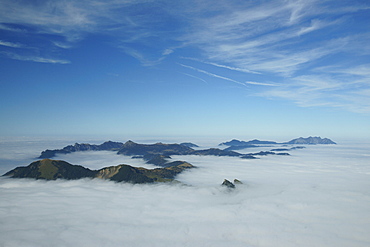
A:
{"points": [[189, 144], [286, 149], [153, 153], [107, 146], [310, 141], [216, 152], [156, 159], [132, 148], [237, 145], [234, 148], [160, 154]]}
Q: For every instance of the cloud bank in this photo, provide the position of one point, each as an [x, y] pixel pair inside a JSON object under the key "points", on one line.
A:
{"points": [[315, 197]]}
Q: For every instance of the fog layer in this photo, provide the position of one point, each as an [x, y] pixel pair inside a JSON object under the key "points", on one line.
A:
{"points": [[318, 196]]}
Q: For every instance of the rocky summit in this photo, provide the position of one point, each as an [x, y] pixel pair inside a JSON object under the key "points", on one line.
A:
{"points": [[228, 184], [50, 170]]}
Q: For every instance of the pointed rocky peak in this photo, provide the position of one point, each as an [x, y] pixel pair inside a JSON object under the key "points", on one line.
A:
{"points": [[110, 145], [130, 143], [237, 181], [228, 184], [233, 142]]}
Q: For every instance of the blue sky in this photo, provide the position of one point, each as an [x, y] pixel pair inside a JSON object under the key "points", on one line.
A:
{"points": [[185, 68]]}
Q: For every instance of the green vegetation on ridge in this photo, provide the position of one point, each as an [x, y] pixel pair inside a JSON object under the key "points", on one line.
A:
{"points": [[57, 169]]}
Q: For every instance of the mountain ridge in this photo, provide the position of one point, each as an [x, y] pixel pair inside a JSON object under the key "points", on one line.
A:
{"points": [[311, 140], [106, 146], [160, 153], [237, 144], [131, 148], [49, 169]]}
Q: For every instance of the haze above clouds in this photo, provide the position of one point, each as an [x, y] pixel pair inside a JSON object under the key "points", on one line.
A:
{"points": [[318, 196]]}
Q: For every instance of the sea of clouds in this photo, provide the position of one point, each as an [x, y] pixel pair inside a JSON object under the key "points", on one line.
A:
{"points": [[318, 196]]}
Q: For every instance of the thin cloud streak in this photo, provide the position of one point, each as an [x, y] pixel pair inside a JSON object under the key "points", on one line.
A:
{"points": [[251, 41], [211, 74], [262, 84], [63, 45], [36, 59], [324, 91], [196, 77], [10, 44], [145, 60], [225, 78], [233, 68], [222, 66]]}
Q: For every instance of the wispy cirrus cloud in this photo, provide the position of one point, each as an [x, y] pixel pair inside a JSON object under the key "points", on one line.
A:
{"points": [[314, 25], [276, 50], [222, 66], [213, 75], [362, 70], [226, 78], [10, 44], [282, 42], [196, 77], [66, 18], [63, 45], [70, 21], [145, 59], [289, 40], [325, 91], [37, 59]]}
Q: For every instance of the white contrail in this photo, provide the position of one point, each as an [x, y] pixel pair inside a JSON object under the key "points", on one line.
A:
{"points": [[228, 79], [211, 74]]}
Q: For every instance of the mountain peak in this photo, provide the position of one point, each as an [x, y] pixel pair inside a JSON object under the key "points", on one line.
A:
{"points": [[311, 140], [130, 143], [51, 169]]}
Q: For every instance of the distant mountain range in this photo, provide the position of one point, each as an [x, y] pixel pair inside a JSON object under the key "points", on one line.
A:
{"points": [[130, 148], [237, 145], [133, 148], [310, 141], [57, 169], [158, 154], [251, 143]]}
